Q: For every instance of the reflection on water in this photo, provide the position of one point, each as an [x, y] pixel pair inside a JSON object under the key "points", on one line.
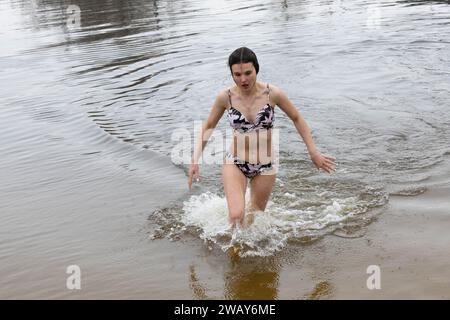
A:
{"points": [[198, 291], [252, 279], [244, 279], [322, 290]]}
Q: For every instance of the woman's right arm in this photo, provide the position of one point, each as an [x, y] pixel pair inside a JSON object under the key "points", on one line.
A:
{"points": [[217, 110]]}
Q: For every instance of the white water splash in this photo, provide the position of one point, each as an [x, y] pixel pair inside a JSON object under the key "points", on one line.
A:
{"points": [[270, 229]]}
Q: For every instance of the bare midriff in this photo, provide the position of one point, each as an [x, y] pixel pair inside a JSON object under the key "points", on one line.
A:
{"points": [[254, 146]]}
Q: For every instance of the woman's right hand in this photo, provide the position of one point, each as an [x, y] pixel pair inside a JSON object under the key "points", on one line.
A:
{"points": [[194, 172], [324, 162]]}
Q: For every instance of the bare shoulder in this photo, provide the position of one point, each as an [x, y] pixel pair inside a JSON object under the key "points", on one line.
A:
{"points": [[275, 94], [222, 99]]}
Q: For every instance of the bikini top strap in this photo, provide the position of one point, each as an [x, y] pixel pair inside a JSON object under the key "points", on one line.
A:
{"points": [[268, 93], [229, 97]]}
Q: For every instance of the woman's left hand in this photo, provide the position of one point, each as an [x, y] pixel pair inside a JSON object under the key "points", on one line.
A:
{"points": [[324, 162]]}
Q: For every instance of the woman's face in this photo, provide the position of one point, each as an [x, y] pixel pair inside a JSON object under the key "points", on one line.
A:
{"points": [[244, 75]]}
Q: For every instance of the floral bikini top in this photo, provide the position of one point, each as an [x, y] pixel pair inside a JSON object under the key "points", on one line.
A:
{"points": [[264, 118]]}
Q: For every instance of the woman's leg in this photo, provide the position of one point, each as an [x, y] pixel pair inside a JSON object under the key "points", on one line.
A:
{"points": [[235, 184], [261, 188]]}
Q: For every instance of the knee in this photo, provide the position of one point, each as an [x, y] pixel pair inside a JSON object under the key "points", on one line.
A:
{"points": [[236, 215], [257, 206]]}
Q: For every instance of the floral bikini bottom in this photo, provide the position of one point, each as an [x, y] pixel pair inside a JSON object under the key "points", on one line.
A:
{"points": [[250, 170]]}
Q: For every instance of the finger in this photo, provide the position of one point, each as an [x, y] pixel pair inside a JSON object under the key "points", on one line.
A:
{"points": [[331, 169], [190, 182]]}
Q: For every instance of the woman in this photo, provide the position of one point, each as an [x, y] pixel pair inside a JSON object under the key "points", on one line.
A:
{"points": [[250, 107]]}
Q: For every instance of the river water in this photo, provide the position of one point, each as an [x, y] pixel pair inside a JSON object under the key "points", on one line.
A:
{"points": [[90, 114]]}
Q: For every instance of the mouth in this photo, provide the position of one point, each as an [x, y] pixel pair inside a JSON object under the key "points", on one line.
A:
{"points": [[245, 86]]}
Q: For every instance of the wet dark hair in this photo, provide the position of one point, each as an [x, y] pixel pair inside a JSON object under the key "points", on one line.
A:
{"points": [[243, 55]]}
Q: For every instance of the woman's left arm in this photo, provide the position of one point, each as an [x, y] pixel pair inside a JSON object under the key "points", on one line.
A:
{"points": [[321, 161]]}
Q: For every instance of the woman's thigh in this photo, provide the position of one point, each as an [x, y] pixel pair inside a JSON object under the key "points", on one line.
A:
{"points": [[261, 188], [235, 185]]}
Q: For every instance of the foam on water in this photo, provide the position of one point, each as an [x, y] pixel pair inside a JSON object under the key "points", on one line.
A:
{"points": [[269, 231]]}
